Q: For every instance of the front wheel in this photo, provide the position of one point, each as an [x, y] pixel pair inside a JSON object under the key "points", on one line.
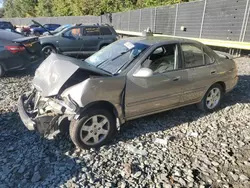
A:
{"points": [[94, 129], [47, 50], [212, 99]]}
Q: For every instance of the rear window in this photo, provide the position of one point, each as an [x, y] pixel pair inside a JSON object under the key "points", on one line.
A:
{"points": [[8, 35], [105, 31], [6, 25]]}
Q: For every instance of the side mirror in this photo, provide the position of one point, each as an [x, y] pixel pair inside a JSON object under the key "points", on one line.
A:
{"points": [[143, 73]]}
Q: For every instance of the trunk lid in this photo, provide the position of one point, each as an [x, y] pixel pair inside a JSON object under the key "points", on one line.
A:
{"points": [[31, 44], [55, 70]]}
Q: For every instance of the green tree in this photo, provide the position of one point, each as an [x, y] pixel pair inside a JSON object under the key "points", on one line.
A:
{"points": [[43, 8], [61, 7]]}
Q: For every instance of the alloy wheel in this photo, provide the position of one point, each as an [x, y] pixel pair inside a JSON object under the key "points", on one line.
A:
{"points": [[213, 98], [94, 130]]}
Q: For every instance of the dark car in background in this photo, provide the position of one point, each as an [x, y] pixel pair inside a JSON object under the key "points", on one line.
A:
{"points": [[79, 39], [6, 26], [37, 31], [18, 52]]}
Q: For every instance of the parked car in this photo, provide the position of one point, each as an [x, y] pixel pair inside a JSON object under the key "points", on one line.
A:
{"points": [[37, 31], [62, 27], [79, 39], [6, 26], [18, 52], [26, 30], [130, 78]]}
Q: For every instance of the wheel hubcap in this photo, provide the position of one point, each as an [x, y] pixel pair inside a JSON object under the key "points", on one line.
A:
{"points": [[94, 130], [47, 51], [213, 98]]}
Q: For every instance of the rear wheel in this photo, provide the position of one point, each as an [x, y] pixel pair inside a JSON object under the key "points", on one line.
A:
{"points": [[212, 99], [94, 129], [47, 50]]}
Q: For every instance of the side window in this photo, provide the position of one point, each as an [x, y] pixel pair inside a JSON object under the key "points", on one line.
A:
{"points": [[92, 31], [163, 59], [73, 33], [105, 31], [193, 55]]}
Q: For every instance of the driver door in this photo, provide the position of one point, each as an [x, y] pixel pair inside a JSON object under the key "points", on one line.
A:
{"points": [[71, 41], [160, 91]]}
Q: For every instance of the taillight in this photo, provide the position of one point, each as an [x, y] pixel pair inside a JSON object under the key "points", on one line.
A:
{"points": [[15, 49]]}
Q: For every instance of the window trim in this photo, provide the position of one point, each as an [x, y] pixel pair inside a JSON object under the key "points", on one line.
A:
{"points": [[178, 55], [183, 59]]}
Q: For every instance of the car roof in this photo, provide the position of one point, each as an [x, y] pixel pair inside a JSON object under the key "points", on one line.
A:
{"points": [[154, 40]]}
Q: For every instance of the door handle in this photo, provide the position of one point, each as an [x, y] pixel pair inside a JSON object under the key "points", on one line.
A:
{"points": [[176, 79], [100, 38], [213, 72]]}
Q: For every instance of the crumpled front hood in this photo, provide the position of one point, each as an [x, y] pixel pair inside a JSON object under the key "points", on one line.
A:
{"points": [[53, 73]]}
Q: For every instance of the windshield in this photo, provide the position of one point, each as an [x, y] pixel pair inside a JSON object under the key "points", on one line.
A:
{"points": [[116, 55], [61, 28]]}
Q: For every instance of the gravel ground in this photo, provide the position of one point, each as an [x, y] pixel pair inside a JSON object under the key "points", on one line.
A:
{"points": [[179, 148]]}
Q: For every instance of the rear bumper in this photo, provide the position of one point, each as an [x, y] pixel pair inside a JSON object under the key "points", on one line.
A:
{"points": [[230, 85], [26, 119]]}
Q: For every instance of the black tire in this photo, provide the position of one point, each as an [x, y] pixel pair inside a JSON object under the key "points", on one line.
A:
{"points": [[77, 125], [203, 105], [2, 71], [47, 50]]}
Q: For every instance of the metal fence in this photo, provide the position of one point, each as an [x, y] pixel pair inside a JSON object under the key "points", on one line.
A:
{"points": [[210, 19]]}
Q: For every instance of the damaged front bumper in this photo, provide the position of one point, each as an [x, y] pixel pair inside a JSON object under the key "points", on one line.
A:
{"points": [[43, 114]]}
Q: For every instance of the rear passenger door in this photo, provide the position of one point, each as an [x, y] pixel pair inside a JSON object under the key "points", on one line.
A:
{"points": [[91, 38], [201, 71]]}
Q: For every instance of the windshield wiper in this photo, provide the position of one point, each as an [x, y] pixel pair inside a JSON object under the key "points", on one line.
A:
{"points": [[102, 62], [121, 54]]}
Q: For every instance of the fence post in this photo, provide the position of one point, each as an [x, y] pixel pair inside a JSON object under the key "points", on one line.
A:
{"points": [[155, 19], [140, 21], [128, 20], [176, 17], [244, 21], [203, 16]]}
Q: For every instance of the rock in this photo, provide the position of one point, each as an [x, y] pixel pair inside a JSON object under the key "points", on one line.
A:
{"points": [[214, 163], [108, 184], [36, 177], [21, 169], [123, 184], [243, 177], [234, 176], [161, 141], [137, 174], [193, 134], [134, 150], [182, 182], [11, 148]]}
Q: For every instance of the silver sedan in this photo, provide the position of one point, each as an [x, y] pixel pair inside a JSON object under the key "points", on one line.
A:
{"points": [[130, 78]]}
